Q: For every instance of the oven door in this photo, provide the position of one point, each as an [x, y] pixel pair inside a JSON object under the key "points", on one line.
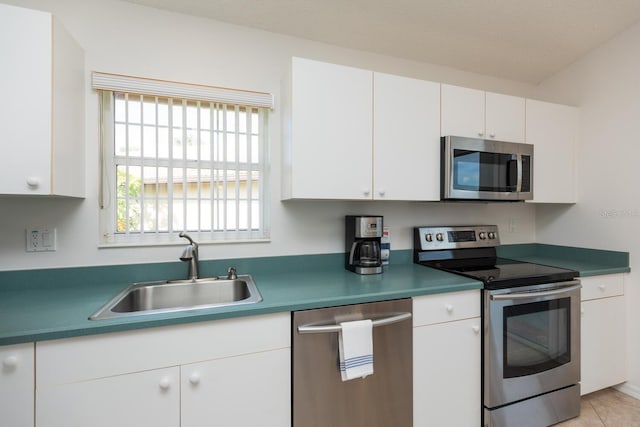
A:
{"points": [[486, 170], [531, 341]]}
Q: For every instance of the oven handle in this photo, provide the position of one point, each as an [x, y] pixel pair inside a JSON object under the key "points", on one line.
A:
{"points": [[524, 295]]}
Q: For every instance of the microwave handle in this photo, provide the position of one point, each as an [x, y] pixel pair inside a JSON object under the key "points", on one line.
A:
{"points": [[519, 171]]}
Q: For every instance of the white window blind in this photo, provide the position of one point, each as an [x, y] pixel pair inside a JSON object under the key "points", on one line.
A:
{"points": [[195, 162], [168, 89]]}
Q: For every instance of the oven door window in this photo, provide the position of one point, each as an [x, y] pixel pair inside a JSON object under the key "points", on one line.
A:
{"points": [[481, 171], [537, 337]]}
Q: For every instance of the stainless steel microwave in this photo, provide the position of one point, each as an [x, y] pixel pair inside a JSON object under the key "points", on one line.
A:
{"points": [[481, 169]]}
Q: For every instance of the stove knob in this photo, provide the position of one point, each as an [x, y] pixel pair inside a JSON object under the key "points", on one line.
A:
{"points": [[492, 235], [439, 237], [482, 235], [429, 237]]}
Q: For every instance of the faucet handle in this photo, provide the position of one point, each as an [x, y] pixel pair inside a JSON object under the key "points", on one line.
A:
{"points": [[231, 274]]}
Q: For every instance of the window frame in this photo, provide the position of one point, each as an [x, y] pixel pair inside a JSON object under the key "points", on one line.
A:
{"points": [[109, 236]]}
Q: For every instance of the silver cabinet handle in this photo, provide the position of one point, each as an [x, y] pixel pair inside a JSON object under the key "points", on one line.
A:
{"points": [[523, 295], [322, 329]]}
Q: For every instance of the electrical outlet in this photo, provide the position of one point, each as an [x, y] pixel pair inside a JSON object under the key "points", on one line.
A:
{"points": [[513, 225], [41, 239]]}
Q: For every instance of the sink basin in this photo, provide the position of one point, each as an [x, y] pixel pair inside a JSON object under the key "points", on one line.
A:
{"points": [[179, 295]]}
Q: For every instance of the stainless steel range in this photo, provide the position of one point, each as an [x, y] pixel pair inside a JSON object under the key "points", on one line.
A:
{"points": [[531, 323]]}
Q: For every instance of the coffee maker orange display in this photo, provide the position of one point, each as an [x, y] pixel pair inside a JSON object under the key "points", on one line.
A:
{"points": [[362, 244]]}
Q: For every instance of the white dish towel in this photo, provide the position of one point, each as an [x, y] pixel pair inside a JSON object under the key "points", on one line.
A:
{"points": [[355, 342]]}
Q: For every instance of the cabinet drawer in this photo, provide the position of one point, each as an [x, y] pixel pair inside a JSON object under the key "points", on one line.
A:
{"points": [[602, 286], [83, 358], [430, 309]]}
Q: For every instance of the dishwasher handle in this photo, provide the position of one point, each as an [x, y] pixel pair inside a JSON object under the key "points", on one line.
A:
{"points": [[322, 329]]}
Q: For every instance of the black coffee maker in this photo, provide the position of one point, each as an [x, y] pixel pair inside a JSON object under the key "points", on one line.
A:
{"points": [[362, 244]]}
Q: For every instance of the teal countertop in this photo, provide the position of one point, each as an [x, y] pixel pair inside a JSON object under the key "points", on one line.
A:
{"points": [[52, 304], [588, 262], [38, 305]]}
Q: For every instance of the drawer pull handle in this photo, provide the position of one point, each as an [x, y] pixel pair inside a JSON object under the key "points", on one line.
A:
{"points": [[476, 328], [164, 384], [33, 182], [194, 378], [449, 308], [10, 362], [602, 287], [321, 329]]}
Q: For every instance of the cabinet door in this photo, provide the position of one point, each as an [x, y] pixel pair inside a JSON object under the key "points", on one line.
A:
{"points": [[331, 131], [242, 391], [504, 117], [406, 138], [446, 368], [553, 130], [16, 385], [145, 399], [25, 110], [462, 112], [603, 357]]}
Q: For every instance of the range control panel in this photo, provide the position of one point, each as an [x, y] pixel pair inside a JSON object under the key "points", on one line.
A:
{"points": [[455, 237]]}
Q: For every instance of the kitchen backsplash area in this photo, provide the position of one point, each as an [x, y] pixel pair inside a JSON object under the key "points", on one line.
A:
{"points": [[297, 227]]}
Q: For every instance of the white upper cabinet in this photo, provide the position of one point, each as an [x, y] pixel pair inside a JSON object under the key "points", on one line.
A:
{"points": [[504, 117], [462, 112], [406, 138], [42, 110], [328, 154], [553, 130], [477, 114], [353, 134]]}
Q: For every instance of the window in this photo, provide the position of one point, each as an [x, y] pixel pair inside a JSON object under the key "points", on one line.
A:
{"points": [[176, 163]]}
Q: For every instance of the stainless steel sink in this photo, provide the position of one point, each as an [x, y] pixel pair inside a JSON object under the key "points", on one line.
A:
{"points": [[179, 295]]}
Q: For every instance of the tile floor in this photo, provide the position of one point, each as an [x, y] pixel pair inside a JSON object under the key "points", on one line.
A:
{"points": [[607, 408]]}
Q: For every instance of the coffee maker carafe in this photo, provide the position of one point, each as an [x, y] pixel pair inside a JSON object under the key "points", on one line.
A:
{"points": [[362, 244]]}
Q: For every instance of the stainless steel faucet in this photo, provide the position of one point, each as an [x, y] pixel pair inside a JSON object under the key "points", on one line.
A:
{"points": [[190, 254]]}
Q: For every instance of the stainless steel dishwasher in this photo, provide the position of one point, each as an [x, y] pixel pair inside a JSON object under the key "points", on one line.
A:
{"points": [[322, 399]]}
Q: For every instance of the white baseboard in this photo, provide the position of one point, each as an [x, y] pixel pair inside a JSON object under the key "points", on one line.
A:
{"points": [[630, 389]]}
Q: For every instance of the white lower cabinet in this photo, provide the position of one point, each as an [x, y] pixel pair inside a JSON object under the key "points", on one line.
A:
{"points": [[233, 372], [446, 360], [141, 399], [244, 391], [603, 346], [16, 385]]}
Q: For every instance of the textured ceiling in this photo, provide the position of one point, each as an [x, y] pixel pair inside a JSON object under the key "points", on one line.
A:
{"points": [[521, 40]]}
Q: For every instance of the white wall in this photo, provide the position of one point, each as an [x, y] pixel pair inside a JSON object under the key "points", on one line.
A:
{"points": [[605, 84], [124, 38]]}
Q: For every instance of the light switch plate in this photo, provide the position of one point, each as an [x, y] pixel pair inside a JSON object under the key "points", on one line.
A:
{"points": [[41, 239]]}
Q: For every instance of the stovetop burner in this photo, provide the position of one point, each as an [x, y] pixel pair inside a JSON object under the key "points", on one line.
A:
{"points": [[507, 273], [470, 251]]}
